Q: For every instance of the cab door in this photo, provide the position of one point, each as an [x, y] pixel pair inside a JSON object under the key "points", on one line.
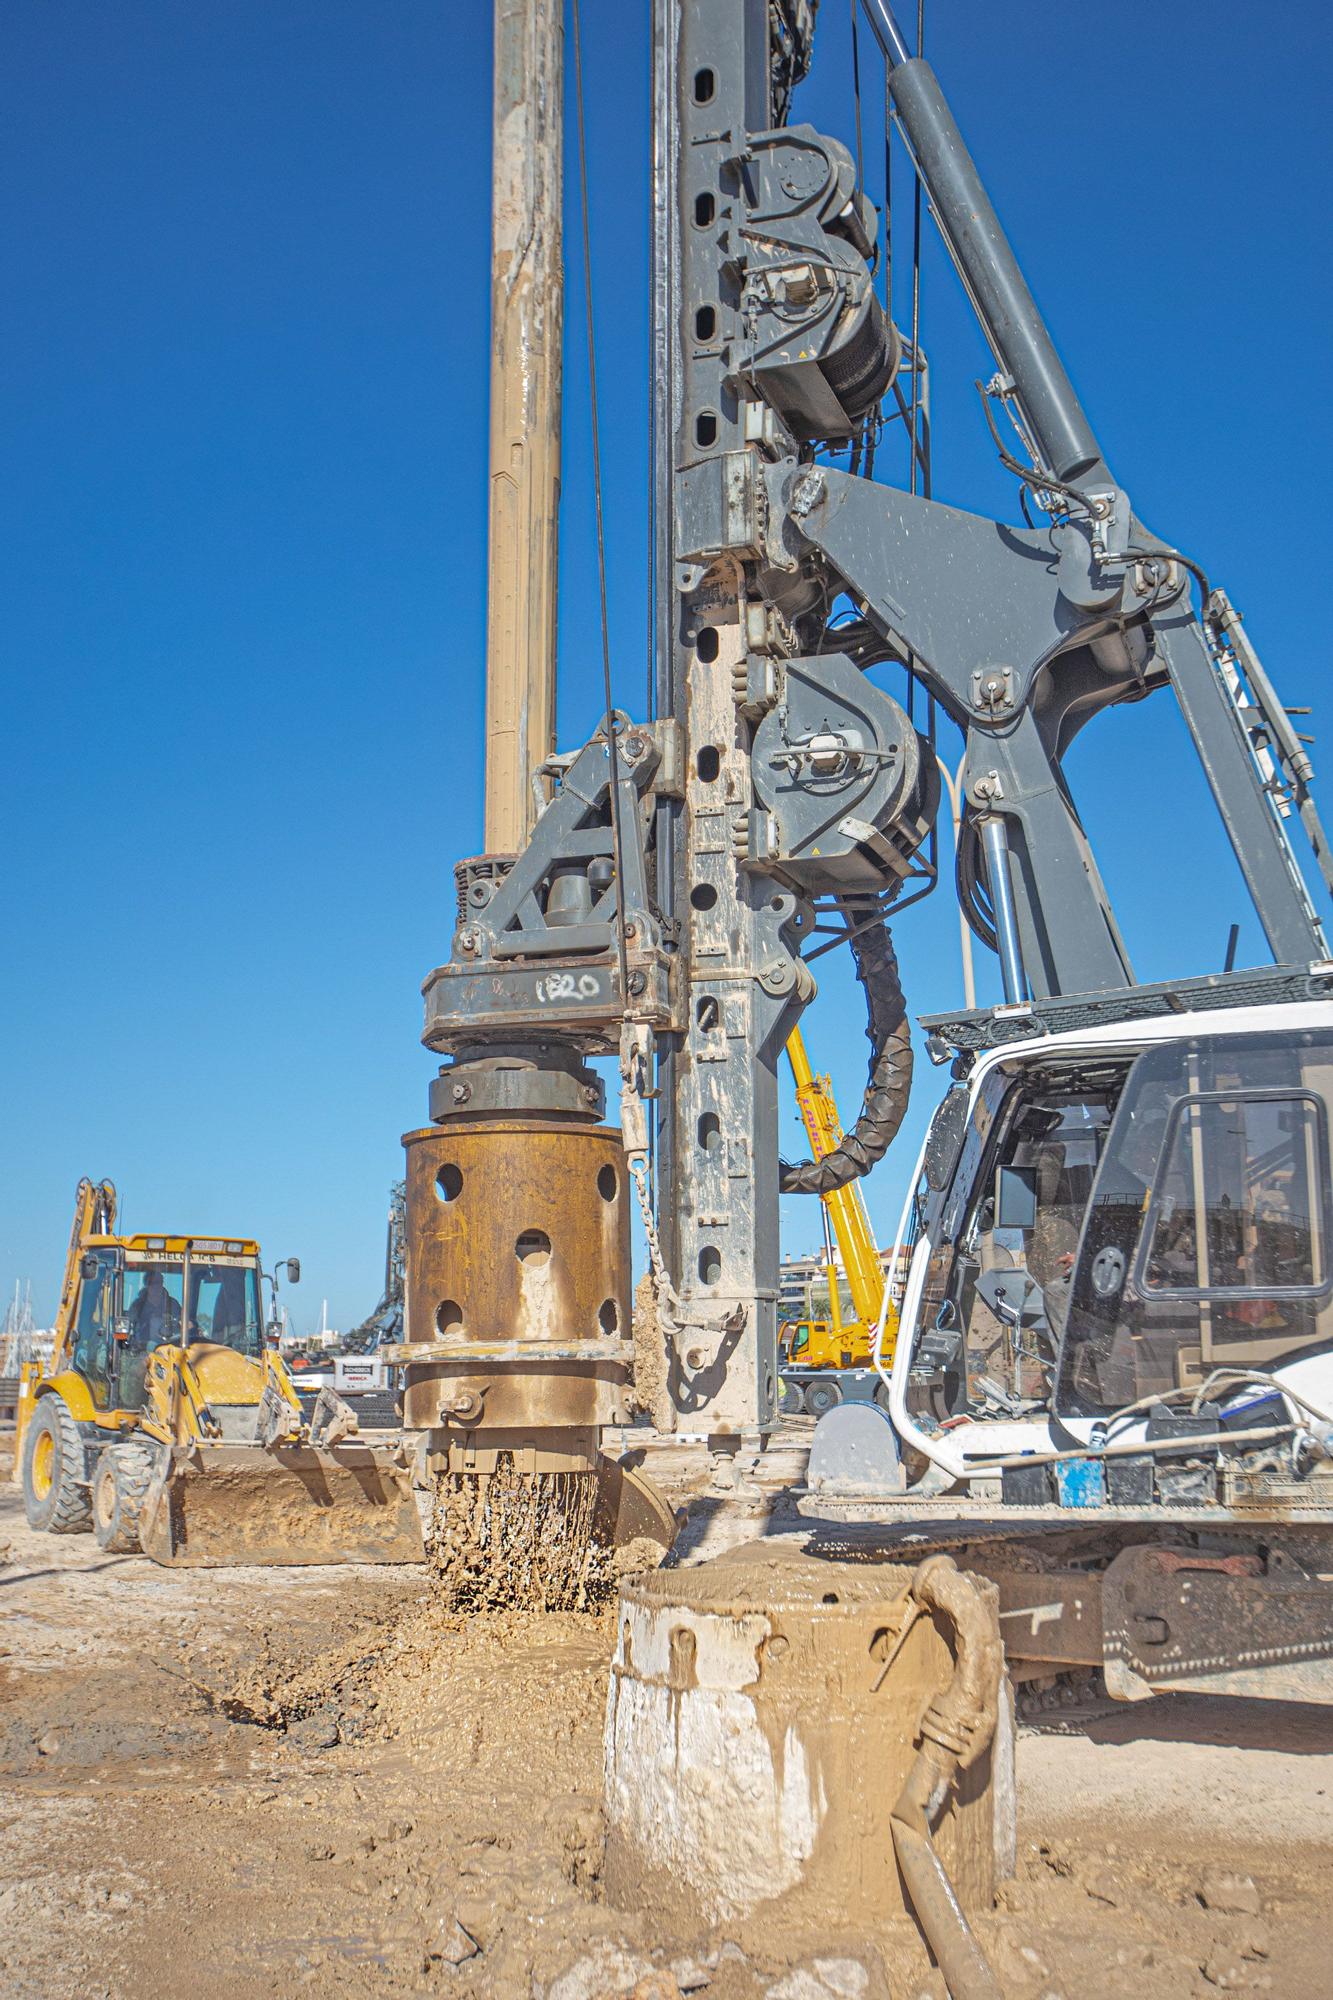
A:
{"points": [[94, 1335], [1209, 1236]]}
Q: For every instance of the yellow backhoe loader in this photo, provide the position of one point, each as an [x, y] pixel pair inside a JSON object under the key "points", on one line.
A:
{"points": [[168, 1421]]}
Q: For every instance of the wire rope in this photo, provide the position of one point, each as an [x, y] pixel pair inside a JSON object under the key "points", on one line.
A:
{"points": [[617, 839]]}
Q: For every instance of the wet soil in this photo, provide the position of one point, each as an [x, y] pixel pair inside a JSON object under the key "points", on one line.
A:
{"points": [[281, 1782]]}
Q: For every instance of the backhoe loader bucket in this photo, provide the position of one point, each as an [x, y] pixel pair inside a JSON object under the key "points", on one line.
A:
{"points": [[214, 1505]]}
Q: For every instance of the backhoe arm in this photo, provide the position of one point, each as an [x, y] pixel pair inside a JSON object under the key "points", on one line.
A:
{"points": [[94, 1215]]}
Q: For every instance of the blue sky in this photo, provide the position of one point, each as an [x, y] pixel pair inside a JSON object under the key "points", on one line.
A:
{"points": [[242, 476]]}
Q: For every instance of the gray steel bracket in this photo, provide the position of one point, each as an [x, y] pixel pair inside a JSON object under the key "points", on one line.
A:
{"points": [[1023, 636], [575, 828], [523, 961]]}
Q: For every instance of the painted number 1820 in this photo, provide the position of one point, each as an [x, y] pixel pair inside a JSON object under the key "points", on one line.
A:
{"points": [[568, 986]]}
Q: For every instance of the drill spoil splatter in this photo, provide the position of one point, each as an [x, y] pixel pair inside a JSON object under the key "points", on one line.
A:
{"points": [[514, 1539]]}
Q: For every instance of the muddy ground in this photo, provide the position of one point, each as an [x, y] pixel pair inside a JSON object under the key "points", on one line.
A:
{"points": [[283, 1782]]}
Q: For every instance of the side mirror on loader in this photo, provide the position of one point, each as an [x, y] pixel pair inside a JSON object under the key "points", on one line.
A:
{"points": [[88, 1265], [293, 1270]]}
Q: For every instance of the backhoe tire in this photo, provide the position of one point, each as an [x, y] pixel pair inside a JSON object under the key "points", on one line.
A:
{"points": [[821, 1397], [123, 1476], [55, 1494]]}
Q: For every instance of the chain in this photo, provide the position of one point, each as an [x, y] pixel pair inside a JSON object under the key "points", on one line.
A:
{"points": [[636, 1055], [667, 1301]]}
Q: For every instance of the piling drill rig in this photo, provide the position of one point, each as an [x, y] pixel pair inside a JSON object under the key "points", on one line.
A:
{"points": [[665, 905]]}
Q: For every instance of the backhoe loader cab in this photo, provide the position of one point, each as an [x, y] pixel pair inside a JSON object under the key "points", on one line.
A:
{"points": [[169, 1422], [138, 1296]]}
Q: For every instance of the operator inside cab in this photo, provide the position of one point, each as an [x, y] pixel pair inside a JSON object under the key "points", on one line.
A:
{"points": [[155, 1316]]}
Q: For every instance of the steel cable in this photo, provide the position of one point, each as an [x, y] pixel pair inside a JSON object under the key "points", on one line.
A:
{"points": [[617, 840]]}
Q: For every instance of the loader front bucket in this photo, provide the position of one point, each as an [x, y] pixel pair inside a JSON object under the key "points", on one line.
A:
{"points": [[216, 1505]]}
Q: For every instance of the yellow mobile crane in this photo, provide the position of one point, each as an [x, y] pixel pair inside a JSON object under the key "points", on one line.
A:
{"points": [[825, 1360]]}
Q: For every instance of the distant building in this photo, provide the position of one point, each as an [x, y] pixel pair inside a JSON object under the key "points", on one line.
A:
{"points": [[797, 1274]]}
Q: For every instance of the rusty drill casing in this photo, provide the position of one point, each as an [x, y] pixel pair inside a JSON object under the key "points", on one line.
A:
{"points": [[518, 1290]]}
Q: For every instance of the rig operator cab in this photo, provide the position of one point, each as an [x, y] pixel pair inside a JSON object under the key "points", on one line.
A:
{"points": [[1130, 1217]]}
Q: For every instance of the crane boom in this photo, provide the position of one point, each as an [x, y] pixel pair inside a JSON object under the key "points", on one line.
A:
{"points": [[844, 1206]]}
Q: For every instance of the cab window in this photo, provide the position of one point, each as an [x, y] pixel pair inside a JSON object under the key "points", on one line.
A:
{"points": [[999, 1285], [150, 1318], [1236, 1209], [92, 1337], [224, 1307], [1206, 1239], [151, 1305]]}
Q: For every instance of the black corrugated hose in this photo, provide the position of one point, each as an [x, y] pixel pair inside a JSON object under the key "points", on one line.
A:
{"points": [[888, 1085]]}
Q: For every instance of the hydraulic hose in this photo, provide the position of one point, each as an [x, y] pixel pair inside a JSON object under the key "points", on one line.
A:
{"points": [[976, 911], [890, 1077], [955, 1730]]}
